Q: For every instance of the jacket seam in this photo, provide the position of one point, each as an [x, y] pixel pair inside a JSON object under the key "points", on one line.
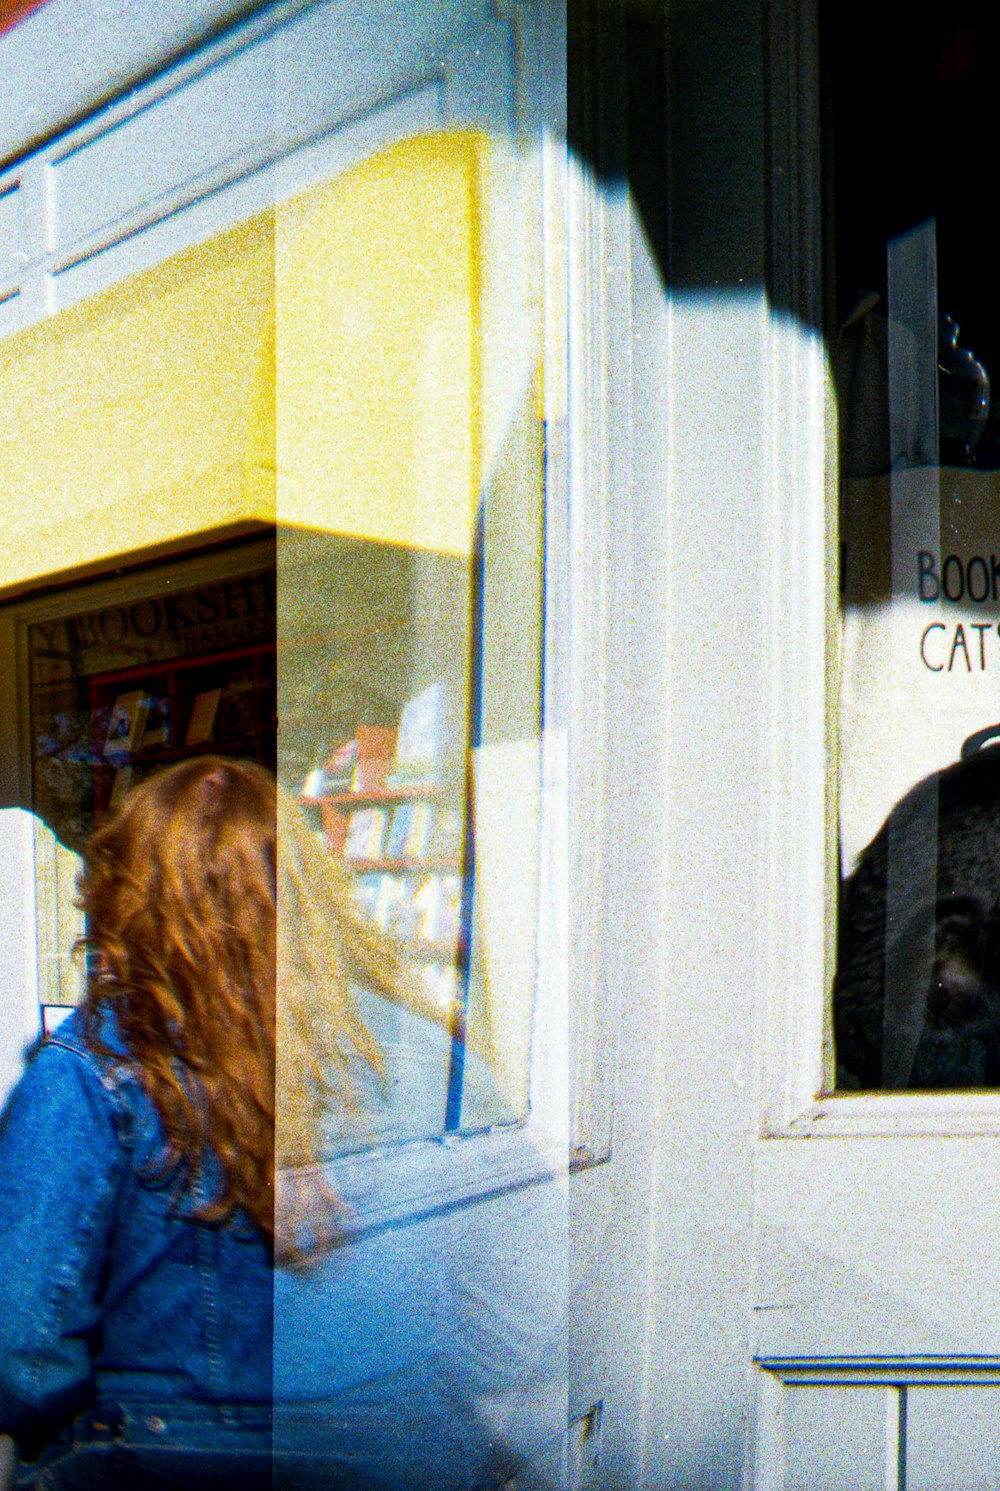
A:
{"points": [[65, 1274]]}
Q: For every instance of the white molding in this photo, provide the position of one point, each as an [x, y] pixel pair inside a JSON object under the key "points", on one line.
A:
{"points": [[424, 1176], [884, 1114], [798, 880], [883, 1371], [54, 74], [265, 93], [195, 221], [599, 473]]}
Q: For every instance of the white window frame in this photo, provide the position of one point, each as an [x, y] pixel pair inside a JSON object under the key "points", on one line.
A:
{"points": [[799, 880]]}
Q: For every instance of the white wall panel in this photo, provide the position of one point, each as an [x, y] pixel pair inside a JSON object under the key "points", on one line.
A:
{"points": [[953, 1438], [211, 121], [285, 88], [412, 43], [839, 1438], [869, 1424]]}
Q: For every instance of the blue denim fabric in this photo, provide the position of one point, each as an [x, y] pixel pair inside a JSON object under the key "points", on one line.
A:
{"points": [[108, 1292], [146, 1349]]}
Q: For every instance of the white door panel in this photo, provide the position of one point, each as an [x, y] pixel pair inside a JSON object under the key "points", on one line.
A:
{"points": [[877, 1246], [908, 1427], [952, 1438], [838, 1438], [876, 1263]]}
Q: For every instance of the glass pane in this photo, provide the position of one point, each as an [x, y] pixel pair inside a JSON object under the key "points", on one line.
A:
{"points": [[120, 690], [398, 632], [331, 415], [410, 609], [916, 343]]}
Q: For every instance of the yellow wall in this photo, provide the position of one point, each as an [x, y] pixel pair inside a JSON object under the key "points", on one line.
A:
{"points": [[124, 421], [338, 334], [377, 349]]}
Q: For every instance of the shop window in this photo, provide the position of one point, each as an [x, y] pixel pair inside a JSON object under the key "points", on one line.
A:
{"points": [[119, 689], [321, 374], [915, 345]]}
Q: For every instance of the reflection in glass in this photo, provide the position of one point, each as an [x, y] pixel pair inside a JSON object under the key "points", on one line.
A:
{"points": [[120, 690], [352, 379], [915, 352]]}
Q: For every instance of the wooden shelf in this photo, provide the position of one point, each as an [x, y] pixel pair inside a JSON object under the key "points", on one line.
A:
{"points": [[403, 866], [343, 802]]}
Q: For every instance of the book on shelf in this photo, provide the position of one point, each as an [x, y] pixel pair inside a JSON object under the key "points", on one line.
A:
{"points": [[399, 830], [392, 906], [124, 778], [314, 786], [157, 729], [201, 722], [126, 723], [420, 741], [335, 775], [438, 903], [365, 889], [410, 830], [237, 713], [366, 829], [418, 838], [448, 834], [340, 767], [427, 911], [376, 749]]}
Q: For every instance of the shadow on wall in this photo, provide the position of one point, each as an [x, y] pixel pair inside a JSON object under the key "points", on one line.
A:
{"points": [[655, 92]]}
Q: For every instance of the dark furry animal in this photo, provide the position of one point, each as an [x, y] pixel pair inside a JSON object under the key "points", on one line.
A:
{"points": [[916, 1000]]}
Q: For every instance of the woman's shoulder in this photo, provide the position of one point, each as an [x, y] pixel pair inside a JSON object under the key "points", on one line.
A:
{"points": [[67, 1095], [75, 1058], [97, 1039]]}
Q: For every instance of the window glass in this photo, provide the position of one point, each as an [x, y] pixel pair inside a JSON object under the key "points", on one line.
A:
{"points": [[915, 346], [410, 606], [120, 690], [322, 372]]}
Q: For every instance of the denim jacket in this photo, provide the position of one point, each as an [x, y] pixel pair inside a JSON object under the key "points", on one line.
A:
{"points": [[109, 1293], [416, 1357]]}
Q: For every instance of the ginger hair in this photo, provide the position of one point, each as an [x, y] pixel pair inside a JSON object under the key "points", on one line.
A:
{"points": [[179, 892], [222, 928]]}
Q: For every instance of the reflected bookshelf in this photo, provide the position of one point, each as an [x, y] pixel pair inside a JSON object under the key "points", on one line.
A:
{"points": [[398, 826], [148, 716]]}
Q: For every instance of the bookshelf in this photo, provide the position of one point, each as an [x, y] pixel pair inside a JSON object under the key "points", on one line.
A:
{"points": [[397, 826], [150, 715], [412, 886]]}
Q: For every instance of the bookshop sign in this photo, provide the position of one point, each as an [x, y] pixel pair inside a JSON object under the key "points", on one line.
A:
{"points": [[920, 639], [208, 618]]}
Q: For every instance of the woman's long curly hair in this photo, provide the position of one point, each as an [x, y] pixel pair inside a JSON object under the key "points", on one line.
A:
{"points": [[219, 926]]}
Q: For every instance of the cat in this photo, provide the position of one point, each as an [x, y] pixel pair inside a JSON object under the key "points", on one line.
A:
{"points": [[916, 1000]]}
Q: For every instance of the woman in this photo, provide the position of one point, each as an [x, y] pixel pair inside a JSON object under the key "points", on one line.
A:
{"points": [[137, 1157], [146, 1338]]}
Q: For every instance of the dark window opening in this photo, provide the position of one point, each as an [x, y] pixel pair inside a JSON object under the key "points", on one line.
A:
{"points": [[914, 344]]}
